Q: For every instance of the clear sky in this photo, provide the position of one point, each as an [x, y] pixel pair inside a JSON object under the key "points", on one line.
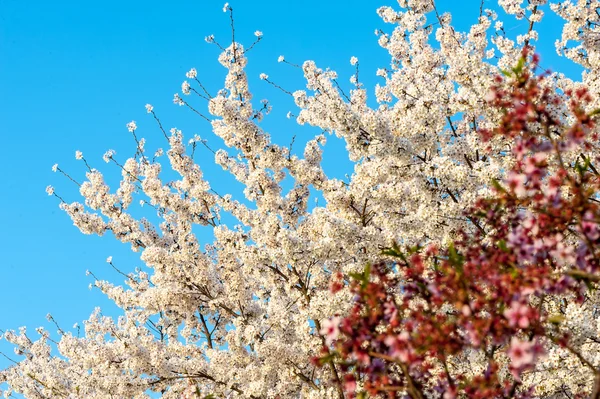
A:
{"points": [[73, 73]]}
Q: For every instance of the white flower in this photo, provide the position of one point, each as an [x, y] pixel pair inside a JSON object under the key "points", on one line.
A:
{"points": [[191, 74], [280, 58], [149, 108], [108, 155], [131, 126], [264, 76], [490, 96], [194, 139], [50, 190], [109, 259], [185, 88], [209, 38], [258, 34], [78, 155], [225, 7], [177, 99], [55, 167], [353, 61]]}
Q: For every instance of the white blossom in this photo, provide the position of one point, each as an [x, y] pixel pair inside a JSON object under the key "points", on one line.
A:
{"points": [[177, 99], [191, 74], [185, 88], [131, 126], [108, 155]]}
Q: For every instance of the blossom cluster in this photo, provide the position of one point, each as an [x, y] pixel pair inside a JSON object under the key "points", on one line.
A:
{"points": [[490, 315]]}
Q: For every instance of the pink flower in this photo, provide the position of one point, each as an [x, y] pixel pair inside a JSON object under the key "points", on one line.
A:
{"points": [[564, 254], [331, 329], [589, 227], [391, 311], [521, 353], [450, 393], [474, 335], [518, 314], [516, 181], [532, 164], [466, 310], [399, 346], [350, 384], [519, 149]]}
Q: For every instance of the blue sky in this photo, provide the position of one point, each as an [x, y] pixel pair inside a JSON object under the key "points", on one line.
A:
{"points": [[73, 73]]}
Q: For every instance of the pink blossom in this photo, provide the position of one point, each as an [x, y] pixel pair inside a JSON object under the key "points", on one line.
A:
{"points": [[331, 329], [450, 393], [521, 353], [391, 311], [516, 181], [589, 227], [564, 254], [399, 346], [350, 385], [518, 315]]}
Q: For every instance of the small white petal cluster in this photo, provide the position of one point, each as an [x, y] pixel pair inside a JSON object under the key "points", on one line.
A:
{"points": [[185, 88], [131, 126], [192, 73], [177, 99], [108, 155], [243, 316]]}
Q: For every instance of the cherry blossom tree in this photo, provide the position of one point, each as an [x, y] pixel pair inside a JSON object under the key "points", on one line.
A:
{"points": [[244, 316]]}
